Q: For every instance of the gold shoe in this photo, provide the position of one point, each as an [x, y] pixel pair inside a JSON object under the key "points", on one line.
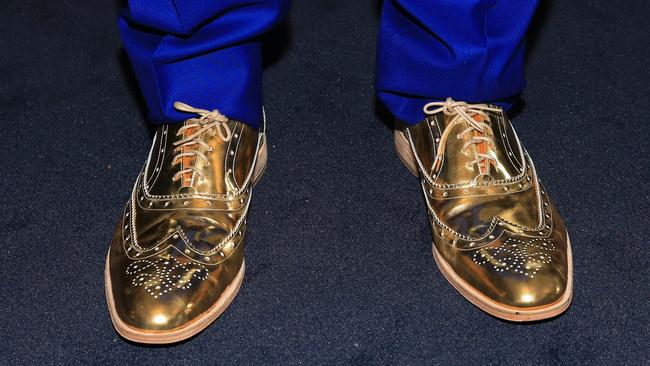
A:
{"points": [[177, 256], [497, 236]]}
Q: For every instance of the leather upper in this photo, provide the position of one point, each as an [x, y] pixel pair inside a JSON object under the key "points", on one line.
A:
{"points": [[497, 228], [179, 243]]}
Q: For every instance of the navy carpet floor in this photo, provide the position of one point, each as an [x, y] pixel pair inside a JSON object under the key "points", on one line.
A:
{"points": [[339, 257]]}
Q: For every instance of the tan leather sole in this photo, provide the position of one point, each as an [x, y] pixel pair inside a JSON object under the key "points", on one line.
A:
{"points": [[262, 159], [204, 320], [403, 148]]}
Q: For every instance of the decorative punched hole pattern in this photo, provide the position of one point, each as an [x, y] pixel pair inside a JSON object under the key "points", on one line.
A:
{"points": [[525, 257], [162, 275]]}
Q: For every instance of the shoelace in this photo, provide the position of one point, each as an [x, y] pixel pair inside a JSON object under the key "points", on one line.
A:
{"points": [[212, 121], [464, 112]]}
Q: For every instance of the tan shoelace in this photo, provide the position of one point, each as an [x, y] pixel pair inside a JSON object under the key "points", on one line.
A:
{"points": [[464, 112], [212, 121]]}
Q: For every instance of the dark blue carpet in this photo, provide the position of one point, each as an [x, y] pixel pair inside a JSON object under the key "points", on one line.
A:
{"points": [[339, 255]]}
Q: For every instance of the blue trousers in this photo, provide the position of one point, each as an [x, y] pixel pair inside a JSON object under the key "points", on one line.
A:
{"points": [[207, 53]]}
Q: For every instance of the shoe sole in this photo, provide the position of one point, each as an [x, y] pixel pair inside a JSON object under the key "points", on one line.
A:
{"points": [[516, 314], [202, 321]]}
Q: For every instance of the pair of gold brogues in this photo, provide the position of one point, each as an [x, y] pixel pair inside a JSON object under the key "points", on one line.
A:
{"points": [[177, 261]]}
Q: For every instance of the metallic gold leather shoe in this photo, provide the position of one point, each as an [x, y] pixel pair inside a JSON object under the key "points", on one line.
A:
{"points": [[177, 256], [497, 236]]}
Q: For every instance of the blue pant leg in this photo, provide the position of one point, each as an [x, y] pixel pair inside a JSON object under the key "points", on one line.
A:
{"points": [[470, 50], [202, 52]]}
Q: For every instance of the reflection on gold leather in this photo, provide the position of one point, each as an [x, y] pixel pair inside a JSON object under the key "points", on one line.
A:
{"points": [[492, 220], [180, 240]]}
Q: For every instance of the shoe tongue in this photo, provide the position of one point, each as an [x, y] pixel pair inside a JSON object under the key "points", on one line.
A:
{"points": [[161, 167], [214, 177], [187, 179], [459, 165], [228, 162], [484, 147]]}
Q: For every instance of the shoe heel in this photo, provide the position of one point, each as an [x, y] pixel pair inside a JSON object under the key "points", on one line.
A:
{"points": [[403, 149], [260, 164]]}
